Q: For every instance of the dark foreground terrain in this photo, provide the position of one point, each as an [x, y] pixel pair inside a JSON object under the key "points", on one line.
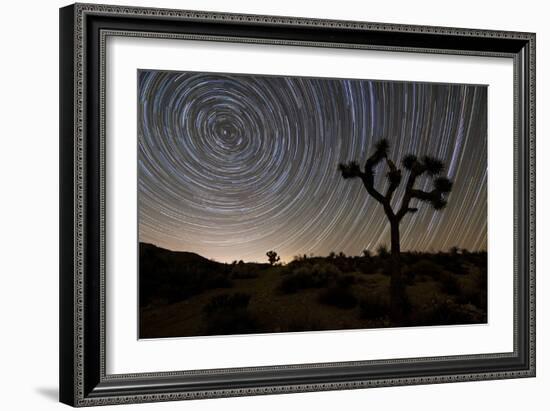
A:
{"points": [[183, 294]]}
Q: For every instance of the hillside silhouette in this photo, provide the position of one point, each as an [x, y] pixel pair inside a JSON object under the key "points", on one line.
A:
{"points": [[184, 294]]}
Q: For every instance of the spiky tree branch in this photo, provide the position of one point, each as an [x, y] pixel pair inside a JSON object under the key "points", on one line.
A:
{"points": [[442, 185], [394, 178], [353, 170], [416, 168]]}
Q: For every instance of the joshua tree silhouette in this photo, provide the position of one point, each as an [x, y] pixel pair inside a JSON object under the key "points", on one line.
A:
{"points": [[272, 257], [416, 167]]}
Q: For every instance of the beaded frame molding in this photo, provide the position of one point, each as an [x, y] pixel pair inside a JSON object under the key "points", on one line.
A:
{"points": [[83, 32]]}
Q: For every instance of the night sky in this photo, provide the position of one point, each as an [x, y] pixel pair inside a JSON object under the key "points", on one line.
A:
{"points": [[231, 166]]}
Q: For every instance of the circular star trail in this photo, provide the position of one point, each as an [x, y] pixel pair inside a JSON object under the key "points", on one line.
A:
{"points": [[231, 166]]}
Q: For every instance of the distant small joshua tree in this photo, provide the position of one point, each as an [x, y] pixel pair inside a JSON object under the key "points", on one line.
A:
{"points": [[273, 257], [366, 253], [436, 197]]}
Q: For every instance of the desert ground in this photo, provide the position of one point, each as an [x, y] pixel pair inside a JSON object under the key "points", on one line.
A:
{"points": [[183, 294]]}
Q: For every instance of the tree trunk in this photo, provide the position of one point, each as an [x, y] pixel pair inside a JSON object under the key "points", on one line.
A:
{"points": [[397, 288]]}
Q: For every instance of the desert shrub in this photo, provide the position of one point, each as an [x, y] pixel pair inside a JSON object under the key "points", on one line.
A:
{"points": [[345, 263], [373, 307], [408, 258], [243, 271], [409, 275], [326, 270], [385, 267], [453, 262], [475, 291], [426, 267], [224, 302], [301, 281], [446, 312], [449, 284], [382, 251], [218, 281], [456, 266], [308, 276], [228, 314], [368, 266], [338, 296], [294, 283], [346, 280], [300, 258]]}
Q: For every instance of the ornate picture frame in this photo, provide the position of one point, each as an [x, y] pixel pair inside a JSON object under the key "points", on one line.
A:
{"points": [[84, 30]]}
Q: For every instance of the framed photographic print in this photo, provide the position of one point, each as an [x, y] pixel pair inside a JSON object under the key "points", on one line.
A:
{"points": [[261, 204]]}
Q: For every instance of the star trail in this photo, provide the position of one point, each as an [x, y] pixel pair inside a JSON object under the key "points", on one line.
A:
{"points": [[231, 166]]}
